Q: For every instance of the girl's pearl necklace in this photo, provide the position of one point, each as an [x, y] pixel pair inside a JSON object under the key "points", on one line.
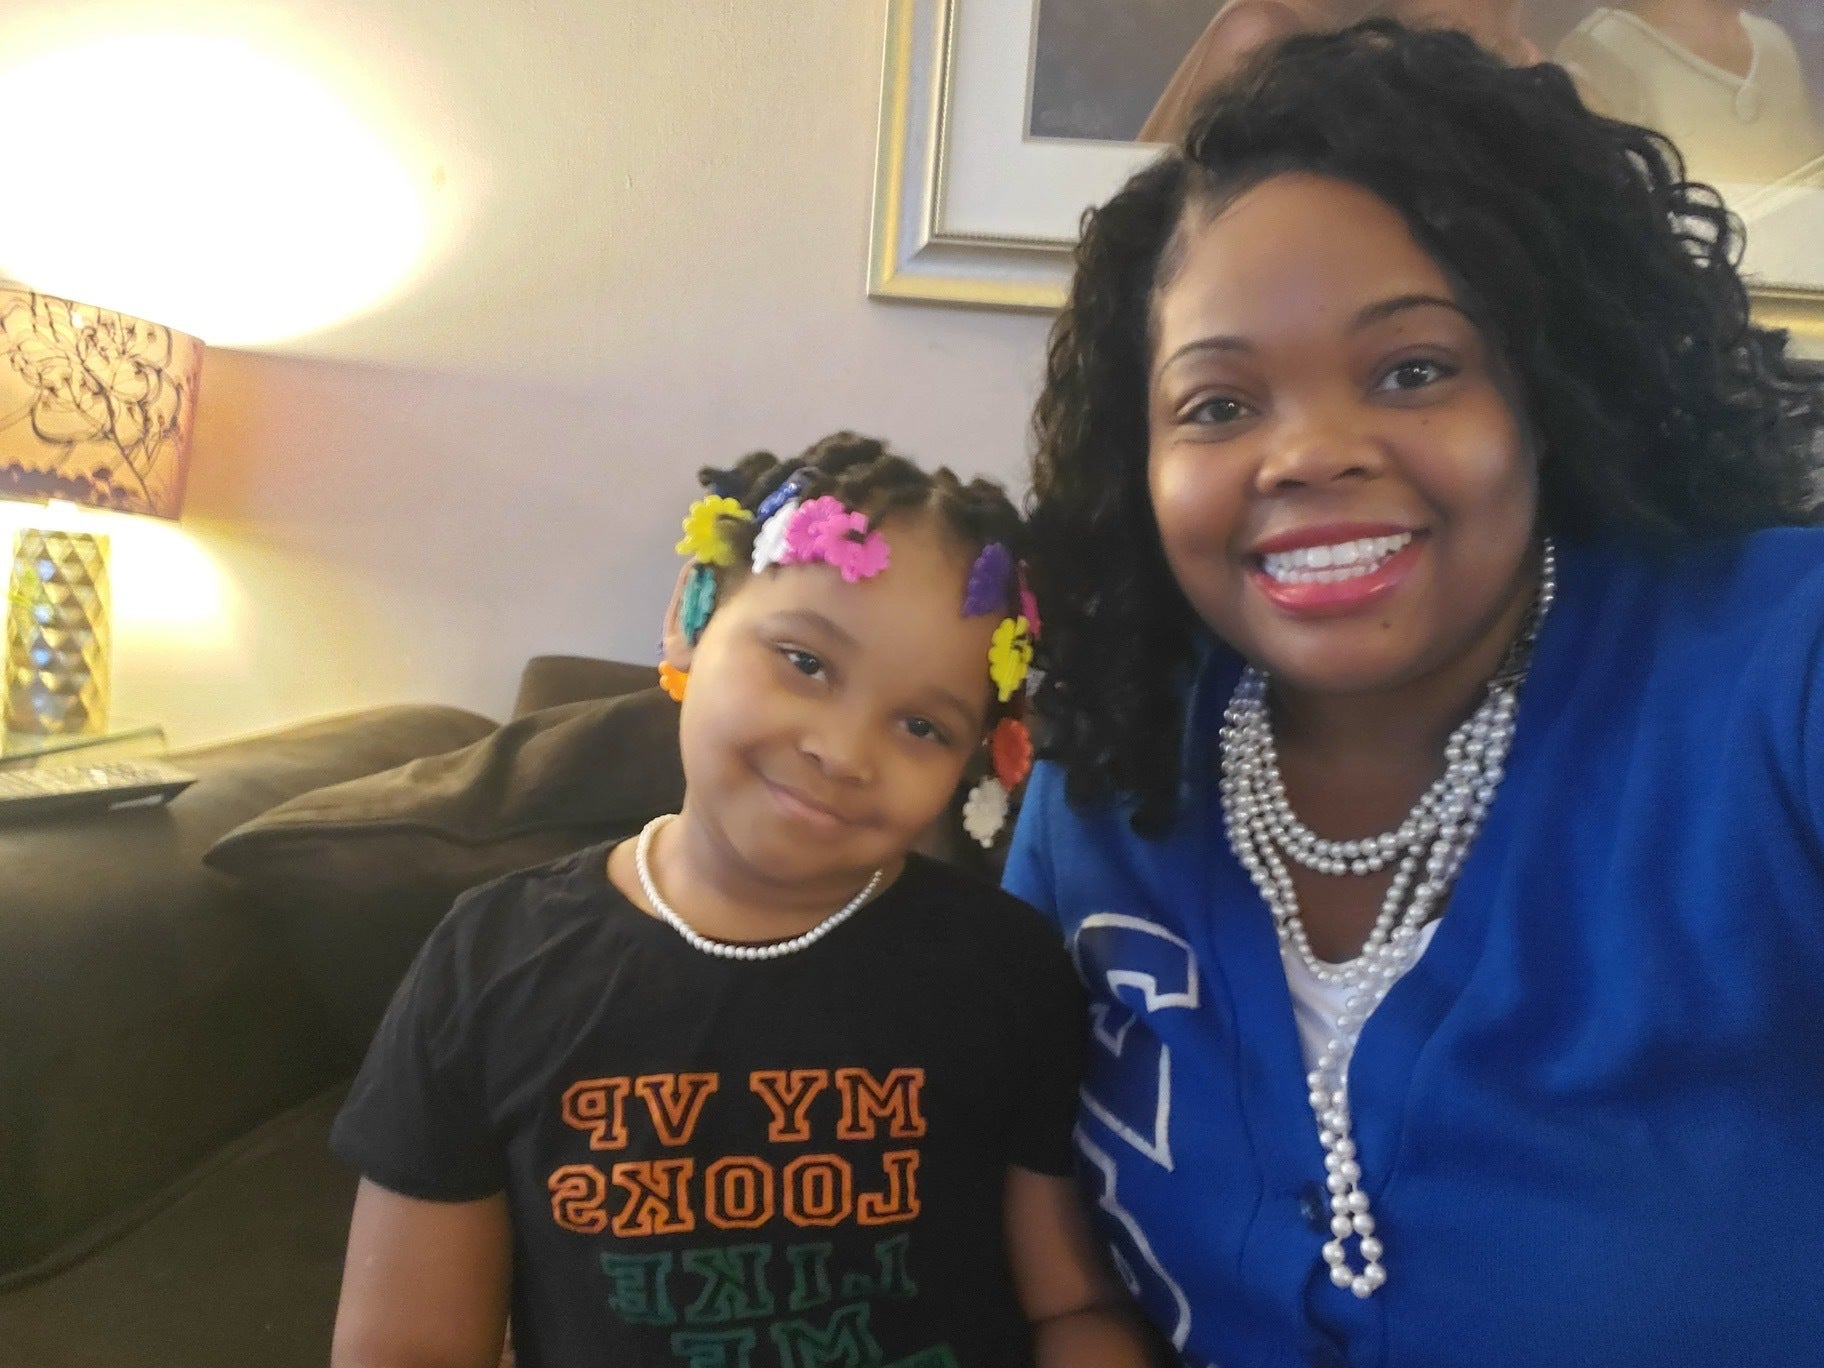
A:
{"points": [[726, 950], [1426, 850]]}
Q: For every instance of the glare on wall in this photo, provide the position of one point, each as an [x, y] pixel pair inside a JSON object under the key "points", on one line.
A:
{"points": [[201, 182]]}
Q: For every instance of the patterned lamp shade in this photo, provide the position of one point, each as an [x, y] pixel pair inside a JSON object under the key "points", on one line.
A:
{"points": [[96, 408]]}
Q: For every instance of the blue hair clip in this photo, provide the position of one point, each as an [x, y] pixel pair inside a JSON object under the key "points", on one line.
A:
{"points": [[699, 602], [780, 497]]}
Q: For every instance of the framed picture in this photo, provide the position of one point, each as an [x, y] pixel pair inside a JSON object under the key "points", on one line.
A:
{"points": [[1003, 120]]}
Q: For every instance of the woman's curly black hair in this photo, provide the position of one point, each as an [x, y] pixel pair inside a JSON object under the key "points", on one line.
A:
{"points": [[1606, 281]]}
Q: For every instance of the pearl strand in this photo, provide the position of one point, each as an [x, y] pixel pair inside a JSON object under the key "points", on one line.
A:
{"points": [[1435, 834], [723, 949]]}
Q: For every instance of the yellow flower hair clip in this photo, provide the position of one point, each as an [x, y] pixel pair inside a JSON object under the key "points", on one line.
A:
{"points": [[704, 540], [1010, 656]]}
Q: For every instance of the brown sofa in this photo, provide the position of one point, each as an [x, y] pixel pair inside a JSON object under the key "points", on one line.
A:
{"points": [[184, 992]]}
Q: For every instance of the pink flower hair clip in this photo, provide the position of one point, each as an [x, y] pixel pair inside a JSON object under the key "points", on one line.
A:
{"points": [[822, 529]]}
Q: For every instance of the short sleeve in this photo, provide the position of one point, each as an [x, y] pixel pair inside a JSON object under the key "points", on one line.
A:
{"points": [[1027, 873], [1054, 1036], [1604, 81], [416, 1120]]}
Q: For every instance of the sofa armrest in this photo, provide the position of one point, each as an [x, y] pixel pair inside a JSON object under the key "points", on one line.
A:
{"points": [[146, 1019]]}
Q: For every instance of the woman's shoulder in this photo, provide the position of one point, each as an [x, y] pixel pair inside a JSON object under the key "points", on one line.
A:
{"points": [[1703, 610], [1758, 574]]}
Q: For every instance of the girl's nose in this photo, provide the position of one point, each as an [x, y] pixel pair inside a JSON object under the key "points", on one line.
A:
{"points": [[839, 746]]}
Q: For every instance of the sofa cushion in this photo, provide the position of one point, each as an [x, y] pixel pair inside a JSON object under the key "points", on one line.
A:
{"points": [[549, 680], [359, 872]]}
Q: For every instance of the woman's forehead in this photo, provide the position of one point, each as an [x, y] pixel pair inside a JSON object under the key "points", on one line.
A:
{"points": [[1295, 243]]}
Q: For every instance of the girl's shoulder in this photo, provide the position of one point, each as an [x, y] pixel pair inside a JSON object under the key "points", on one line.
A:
{"points": [[964, 908], [520, 916]]}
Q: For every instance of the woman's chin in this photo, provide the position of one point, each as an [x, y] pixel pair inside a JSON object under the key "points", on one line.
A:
{"points": [[1342, 669]]}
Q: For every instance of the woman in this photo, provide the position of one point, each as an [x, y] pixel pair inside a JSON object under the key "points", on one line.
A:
{"points": [[1436, 698]]}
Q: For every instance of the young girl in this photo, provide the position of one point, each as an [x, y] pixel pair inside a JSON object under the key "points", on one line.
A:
{"points": [[1437, 811], [761, 1088]]}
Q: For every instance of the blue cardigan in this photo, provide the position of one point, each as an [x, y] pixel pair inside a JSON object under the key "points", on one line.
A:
{"points": [[1591, 1118]]}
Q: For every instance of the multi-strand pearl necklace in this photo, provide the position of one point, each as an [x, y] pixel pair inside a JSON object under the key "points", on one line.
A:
{"points": [[642, 865], [1426, 849]]}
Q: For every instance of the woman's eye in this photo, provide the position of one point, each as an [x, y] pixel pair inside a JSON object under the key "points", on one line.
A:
{"points": [[1218, 411], [804, 662], [1417, 374]]}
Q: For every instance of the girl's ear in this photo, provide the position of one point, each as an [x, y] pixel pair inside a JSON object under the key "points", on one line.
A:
{"points": [[676, 648]]}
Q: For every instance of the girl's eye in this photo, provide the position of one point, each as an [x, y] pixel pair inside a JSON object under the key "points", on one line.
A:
{"points": [[1415, 374], [1218, 411], [804, 662], [927, 730]]}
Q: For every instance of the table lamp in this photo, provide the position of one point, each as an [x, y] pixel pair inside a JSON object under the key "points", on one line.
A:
{"points": [[96, 409]]}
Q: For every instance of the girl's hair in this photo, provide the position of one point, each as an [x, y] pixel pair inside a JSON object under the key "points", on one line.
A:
{"points": [[868, 478], [1605, 281]]}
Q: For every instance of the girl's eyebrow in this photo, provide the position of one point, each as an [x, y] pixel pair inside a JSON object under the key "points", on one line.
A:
{"points": [[947, 700], [810, 620]]}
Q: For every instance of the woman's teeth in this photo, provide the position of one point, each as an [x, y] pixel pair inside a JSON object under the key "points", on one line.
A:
{"points": [[1327, 564]]}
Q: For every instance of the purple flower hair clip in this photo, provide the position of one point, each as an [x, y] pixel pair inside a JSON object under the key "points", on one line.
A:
{"points": [[989, 580]]}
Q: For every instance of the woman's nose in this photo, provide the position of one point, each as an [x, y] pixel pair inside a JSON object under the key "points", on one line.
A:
{"points": [[1315, 446]]}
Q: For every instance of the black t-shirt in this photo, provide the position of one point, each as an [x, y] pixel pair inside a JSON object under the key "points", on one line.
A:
{"points": [[767, 1163]]}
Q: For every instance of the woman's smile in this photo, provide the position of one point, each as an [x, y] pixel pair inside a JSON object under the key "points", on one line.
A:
{"points": [[1333, 569]]}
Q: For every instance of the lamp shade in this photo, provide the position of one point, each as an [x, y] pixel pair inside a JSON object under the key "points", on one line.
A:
{"points": [[96, 407]]}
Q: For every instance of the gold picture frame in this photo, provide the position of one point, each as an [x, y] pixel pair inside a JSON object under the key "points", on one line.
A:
{"points": [[957, 180]]}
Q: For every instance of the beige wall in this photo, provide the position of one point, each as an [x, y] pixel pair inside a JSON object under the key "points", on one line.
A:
{"points": [[656, 260]]}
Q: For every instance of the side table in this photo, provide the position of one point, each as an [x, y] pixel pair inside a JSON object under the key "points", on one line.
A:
{"points": [[122, 740]]}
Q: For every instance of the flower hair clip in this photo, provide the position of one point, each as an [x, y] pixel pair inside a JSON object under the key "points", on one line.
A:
{"points": [[996, 584], [1010, 656], [821, 530], [698, 603], [987, 589], [1029, 603], [704, 538]]}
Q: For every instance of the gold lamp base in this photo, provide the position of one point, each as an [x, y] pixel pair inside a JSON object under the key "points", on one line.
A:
{"points": [[57, 634]]}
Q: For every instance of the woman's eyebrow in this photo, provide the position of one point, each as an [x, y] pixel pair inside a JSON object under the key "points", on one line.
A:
{"points": [[1376, 312], [1205, 344], [1384, 309]]}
